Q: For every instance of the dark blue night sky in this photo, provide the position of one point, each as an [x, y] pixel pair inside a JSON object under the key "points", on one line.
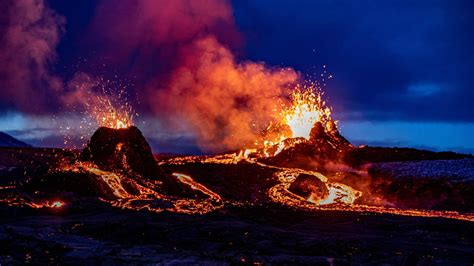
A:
{"points": [[403, 70], [399, 60]]}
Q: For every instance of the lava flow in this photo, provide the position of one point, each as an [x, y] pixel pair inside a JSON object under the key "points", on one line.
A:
{"points": [[307, 109], [48, 204], [304, 114], [120, 158], [286, 166]]}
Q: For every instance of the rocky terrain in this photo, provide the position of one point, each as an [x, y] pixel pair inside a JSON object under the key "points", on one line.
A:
{"points": [[116, 203], [236, 235]]}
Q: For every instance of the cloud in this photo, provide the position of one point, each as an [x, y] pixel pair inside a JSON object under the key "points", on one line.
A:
{"points": [[423, 89], [440, 136], [180, 53]]}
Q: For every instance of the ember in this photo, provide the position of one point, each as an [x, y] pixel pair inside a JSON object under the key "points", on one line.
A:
{"points": [[108, 114]]}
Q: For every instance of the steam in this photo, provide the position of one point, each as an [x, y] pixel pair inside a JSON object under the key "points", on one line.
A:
{"points": [[30, 31]]}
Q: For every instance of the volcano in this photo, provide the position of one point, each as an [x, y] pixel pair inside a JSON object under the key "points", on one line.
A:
{"points": [[126, 151], [324, 145], [121, 149], [302, 187]]}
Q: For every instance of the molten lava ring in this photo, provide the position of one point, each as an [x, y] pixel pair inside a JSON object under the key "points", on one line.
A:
{"points": [[303, 189], [342, 197]]}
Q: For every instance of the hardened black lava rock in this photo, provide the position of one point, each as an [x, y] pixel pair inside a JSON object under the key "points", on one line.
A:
{"points": [[329, 135], [307, 185], [123, 149]]}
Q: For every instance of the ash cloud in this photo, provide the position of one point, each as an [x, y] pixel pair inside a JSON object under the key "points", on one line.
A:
{"points": [[183, 54], [30, 32], [144, 37], [227, 103]]}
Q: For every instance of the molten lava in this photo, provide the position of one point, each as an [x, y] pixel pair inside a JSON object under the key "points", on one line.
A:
{"points": [[111, 116], [120, 162], [47, 204], [109, 105], [294, 123], [306, 109]]}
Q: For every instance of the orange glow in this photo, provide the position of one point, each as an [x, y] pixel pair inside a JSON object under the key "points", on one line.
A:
{"points": [[108, 115], [185, 179], [340, 197], [47, 204], [145, 193], [306, 109], [293, 126], [110, 106], [57, 204], [296, 120]]}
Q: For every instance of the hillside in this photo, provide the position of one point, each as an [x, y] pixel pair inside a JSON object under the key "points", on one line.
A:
{"points": [[9, 141]]}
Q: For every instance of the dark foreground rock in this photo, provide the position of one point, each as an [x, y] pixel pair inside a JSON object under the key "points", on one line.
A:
{"points": [[247, 229], [248, 234]]}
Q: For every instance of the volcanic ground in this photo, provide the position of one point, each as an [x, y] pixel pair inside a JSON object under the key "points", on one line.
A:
{"points": [[116, 203]]}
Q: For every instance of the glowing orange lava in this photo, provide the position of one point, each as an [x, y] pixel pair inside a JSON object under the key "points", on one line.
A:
{"points": [[306, 109], [47, 204], [295, 121], [340, 197], [109, 115], [293, 126], [145, 195]]}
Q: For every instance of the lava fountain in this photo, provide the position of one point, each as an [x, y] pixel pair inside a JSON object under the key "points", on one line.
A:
{"points": [[306, 109], [108, 114]]}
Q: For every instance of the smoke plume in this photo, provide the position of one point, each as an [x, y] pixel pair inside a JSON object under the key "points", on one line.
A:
{"points": [[183, 56], [184, 51], [144, 36], [227, 103], [29, 32]]}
